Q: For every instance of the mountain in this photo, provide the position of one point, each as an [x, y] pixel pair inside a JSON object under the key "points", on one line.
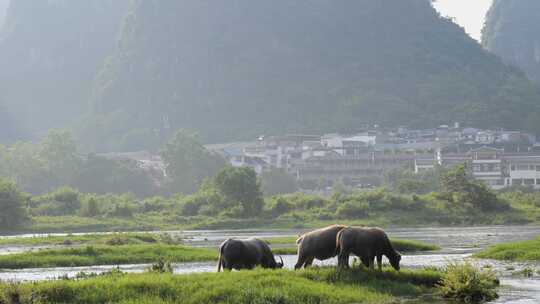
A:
{"points": [[3, 7], [238, 68], [50, 52], [512, 32], [9, 129]]}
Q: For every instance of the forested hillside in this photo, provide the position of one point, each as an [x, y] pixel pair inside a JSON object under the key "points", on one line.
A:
{"points": [[137, 71], [240, 68], [512, 31], [49, 54]]}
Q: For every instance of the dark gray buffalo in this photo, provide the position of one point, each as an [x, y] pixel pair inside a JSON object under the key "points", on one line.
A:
{"points": [[246, 254], [319, 244], [367, 244]]}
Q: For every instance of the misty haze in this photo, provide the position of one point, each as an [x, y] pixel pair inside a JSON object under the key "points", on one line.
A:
{"points": [[354, 151]]}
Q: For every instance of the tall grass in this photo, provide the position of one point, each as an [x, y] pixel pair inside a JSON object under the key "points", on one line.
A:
{"points": [[516, 251], [106, 255], [469, 284], [322, 286]]}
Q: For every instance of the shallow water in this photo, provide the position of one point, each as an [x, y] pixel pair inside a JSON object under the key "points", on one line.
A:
{"points": [[457, 244]]}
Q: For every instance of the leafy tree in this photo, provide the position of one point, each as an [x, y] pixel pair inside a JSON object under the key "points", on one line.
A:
{"points": [[101, 175], [13, 214], [466, 190], [188, 162], [456, 180], [240, 185], [59, 152], [90, 208], [277, 181]]}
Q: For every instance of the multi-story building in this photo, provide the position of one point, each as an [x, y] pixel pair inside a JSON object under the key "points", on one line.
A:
{"points": [[492, 166]]}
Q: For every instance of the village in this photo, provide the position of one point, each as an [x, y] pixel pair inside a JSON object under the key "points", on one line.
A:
{"points": [[500, 158]]}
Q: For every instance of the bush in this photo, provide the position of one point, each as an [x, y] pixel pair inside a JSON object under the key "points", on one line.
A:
{"points": [[350, 210], [279, 206], [161, 266], [469, 284], [12, 211]]}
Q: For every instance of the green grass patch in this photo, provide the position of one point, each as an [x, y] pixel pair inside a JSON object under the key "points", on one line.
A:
{"points": [[106, 255], [90, 239], [323, 286], [516, 251]]}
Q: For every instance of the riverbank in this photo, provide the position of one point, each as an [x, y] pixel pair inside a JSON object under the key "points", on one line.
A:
{"points": [[515, 251], [122, 249], [324, 285], [158, 222]]}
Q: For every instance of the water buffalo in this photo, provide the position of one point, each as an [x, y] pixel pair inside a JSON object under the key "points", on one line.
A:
{"points": [[366, 243], [246, 254], [318, 244]]}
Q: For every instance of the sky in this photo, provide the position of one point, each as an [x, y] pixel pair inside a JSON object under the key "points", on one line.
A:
{"points": [[468, 13]]}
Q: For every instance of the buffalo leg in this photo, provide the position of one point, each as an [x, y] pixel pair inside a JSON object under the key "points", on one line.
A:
{"points": [[301, 261], [379, 262], [365, 261], [372, 263], [308, 262], [343, 260]]}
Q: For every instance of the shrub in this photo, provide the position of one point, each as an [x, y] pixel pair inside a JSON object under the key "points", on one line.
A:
{"points": [[12, 212], [279, 206], [467, 283], [161, 266], [350, 210]]}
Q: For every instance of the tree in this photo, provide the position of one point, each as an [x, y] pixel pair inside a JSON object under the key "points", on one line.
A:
{"points": [[59, 152], [458, 183], [90, 208], [240, 185], [277, 181], [188, 162], [13, 213], [456, 180]]}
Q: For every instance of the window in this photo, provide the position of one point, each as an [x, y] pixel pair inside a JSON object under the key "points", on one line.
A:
{"points": [[538, 181], [513, 168], [517, 182], [537, 167], [531, 167], [529, 181], [523, 167]]}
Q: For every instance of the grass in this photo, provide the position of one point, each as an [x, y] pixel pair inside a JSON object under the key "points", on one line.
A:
{"points": [[516, 251], [94, 239], [322, 286], [133, 248], [106, 255]]}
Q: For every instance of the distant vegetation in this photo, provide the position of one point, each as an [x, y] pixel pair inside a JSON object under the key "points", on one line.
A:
{"points": [[233, 199], [56, 162], [516, 251]]}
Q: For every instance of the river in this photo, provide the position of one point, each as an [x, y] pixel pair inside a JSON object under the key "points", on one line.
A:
{"points": [[457, 243]]}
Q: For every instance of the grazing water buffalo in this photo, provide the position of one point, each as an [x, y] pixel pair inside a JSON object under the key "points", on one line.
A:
{"points": [[246, 254], [366, 243], [319, 244]]}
